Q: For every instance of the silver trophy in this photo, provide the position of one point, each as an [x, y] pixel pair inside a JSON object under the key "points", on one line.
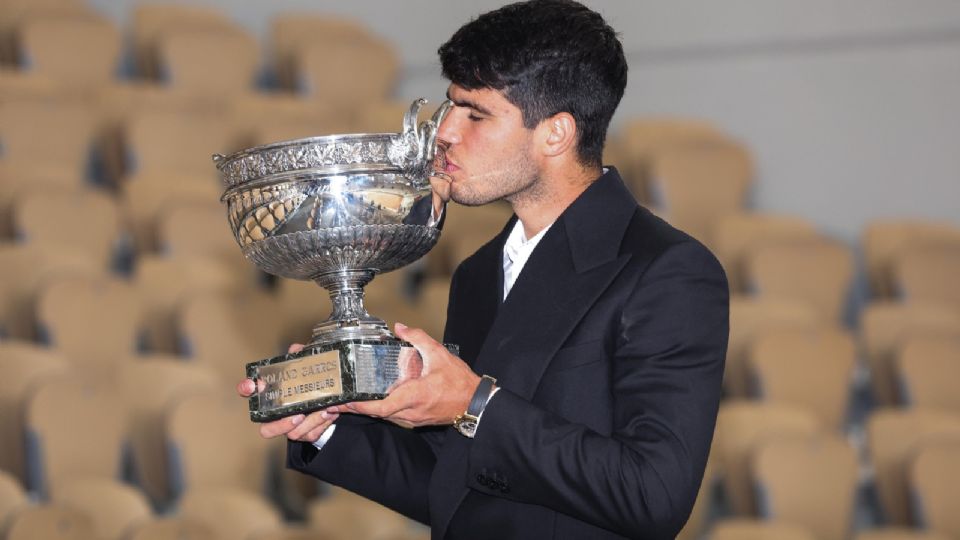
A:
{"points": [[336, 210]]}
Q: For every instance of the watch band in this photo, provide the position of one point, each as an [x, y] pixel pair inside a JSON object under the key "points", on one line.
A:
{"points": [[480, 396]]}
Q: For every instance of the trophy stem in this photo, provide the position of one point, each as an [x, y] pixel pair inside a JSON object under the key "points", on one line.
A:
{"points": [[349, 319]]}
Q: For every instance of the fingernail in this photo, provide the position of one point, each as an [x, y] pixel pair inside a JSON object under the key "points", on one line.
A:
{"points": [[325, 415], [297, 419], [401, 326]]}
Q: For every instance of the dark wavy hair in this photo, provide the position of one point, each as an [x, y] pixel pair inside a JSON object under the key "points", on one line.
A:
{"points": [[545, 57]]}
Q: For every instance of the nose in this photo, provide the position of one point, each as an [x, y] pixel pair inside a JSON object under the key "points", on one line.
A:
{"points": [[449, 131]]}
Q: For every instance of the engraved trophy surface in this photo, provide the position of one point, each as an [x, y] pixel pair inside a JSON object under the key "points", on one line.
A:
{"points": [[336, 210]]}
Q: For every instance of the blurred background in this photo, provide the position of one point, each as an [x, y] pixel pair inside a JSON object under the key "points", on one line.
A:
{"points": [[811, 145]]}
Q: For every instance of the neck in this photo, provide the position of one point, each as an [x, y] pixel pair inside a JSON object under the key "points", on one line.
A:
{"points": [[541, 204]]}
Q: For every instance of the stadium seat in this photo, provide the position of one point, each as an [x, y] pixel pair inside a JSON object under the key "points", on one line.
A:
{"points": [[815, 270], [745, 529], [63, 413], [929, 373], [928, 274], [884, 240], [737, 235], [812, 369], [25, 365], [217, 60], [886, 326], [113, 507], [742, 426], [82, 50], [893, 437], [51, 522], [935, 484], [811, 482]]}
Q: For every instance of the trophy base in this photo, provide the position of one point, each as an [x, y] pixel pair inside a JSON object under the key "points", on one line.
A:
{"points": [[329, 374]]}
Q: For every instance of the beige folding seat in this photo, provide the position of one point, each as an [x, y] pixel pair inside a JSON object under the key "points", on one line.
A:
{"points": [[291, 533], [94, 322], [935, 482], [893, 437], [811, 482], [176, 141], [289, 30], [273, 117], [344, 515], [87, 221], [898, 533], [748, 529], [147, 197], [227, 331], [929, 274], [431, 306], [929, 373], [885, 326], [465, 229], [152, 20], [884, 240], [24, 270], [639, 140], [77, 429], [25, 365], [742, 426], [216, 60], [55, 129], [809, 368], [15, 13], [149, 389], [165, 284], [199, 230], [115, 508], [82, 50], [752, 317], [814, 270], [736, 235], [303, 304], [171, 528], [51, 522], [12, 498], [696, 523], [695, 186], [318, 57], [230, 513], [19, 178], [197, 447]]}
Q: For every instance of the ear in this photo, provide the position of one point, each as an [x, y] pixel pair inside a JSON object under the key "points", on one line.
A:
{"points": [[559, 134]]}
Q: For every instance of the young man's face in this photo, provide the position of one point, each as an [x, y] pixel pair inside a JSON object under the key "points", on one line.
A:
{"points": [[489, 154]]}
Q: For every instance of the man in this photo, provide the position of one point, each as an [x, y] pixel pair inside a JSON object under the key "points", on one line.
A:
{"points": [[604, 328]]}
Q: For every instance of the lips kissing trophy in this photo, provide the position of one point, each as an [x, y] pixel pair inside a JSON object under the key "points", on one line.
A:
{"points": [[336, 210]]}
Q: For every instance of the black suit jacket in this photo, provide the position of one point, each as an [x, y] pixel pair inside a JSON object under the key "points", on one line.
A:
{"points": [[609, 353]]}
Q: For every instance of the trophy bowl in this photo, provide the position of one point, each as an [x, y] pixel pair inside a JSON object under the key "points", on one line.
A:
{"points": [[336, 210]]}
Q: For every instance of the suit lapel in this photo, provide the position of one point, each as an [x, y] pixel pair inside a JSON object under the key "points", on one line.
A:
{"points": [[568, 270]]}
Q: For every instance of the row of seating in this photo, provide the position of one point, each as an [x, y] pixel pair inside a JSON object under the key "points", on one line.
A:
{"points": [[100, 509], [198, 48]]}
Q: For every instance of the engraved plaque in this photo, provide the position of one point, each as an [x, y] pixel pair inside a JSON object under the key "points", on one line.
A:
{"points": [[309, 377]]}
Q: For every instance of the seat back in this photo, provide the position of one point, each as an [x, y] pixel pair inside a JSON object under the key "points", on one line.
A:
{"points": [[113, 507], [82, 50], [76, 431], [934, 477], [812, 369], [737, 235], [929, 373], [893, 436], [885, 240], [25, 366], [811, 482], [742, 426], [929, 275], [51, 522], [886, 326], [814, 270], [217, 60]]}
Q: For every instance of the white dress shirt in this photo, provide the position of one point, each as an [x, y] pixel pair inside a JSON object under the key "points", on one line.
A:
{"points": [[516, 251]]}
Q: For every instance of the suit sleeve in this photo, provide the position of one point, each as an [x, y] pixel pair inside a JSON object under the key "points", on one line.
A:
{"points": [[642, 479], [375, 459]]}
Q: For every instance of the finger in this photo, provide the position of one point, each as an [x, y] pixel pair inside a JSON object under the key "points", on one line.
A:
{"points": [[311, 422], [248, 387], [314, 435], [295, 348], [417, 337], [280, 427]]}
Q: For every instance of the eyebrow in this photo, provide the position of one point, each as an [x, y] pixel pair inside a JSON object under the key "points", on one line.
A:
{"points": [[469, 104]]}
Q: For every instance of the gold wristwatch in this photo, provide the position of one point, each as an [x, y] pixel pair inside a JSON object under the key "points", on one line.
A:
{"points": [[466, 423]]}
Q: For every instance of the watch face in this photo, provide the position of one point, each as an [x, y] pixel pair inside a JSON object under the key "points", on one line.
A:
{"points": [[467, 427]]}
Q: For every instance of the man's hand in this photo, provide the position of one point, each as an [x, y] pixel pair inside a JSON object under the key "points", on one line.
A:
{"points": [[442, 391], [307, 428]]}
